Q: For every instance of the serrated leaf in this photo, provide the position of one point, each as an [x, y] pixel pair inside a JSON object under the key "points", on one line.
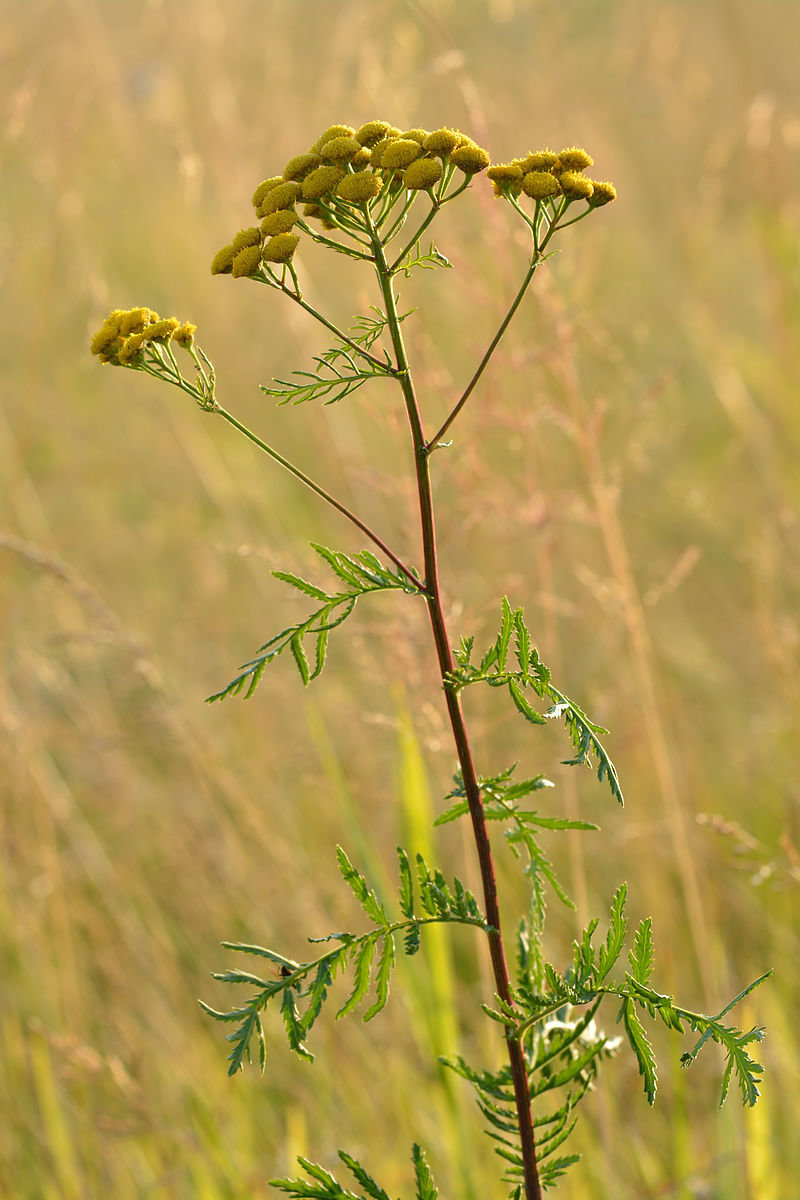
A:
{"points": [[299, 655], [426, 1188], [523, 705], [533, 818], [459, 809], [553, 1169], [642, 956], [329, 1189], [361, 976], [406, 884], [321, 653], [726, 1080], [294, 1025], [261, 952], [363, 1177], [318, 993], [234, 976], [504, 636], [641, 1048], [262, 1046], [523, 641], [748, 1071], [302, 585], [382, 977], [612, 948], [489, 659], [358, 885], [411, 941], [234, 1014]]}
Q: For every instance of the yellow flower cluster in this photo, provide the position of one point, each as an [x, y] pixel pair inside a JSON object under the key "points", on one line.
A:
{"points": [[344, 166], [125, 333], [545, 175]]}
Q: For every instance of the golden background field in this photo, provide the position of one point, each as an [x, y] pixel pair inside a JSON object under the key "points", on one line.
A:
{"points": [[627, 471]]}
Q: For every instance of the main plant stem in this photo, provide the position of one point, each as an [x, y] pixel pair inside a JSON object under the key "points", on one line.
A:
{"points": [[444, 655]]}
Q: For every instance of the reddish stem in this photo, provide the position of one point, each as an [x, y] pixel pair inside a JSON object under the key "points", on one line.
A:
{"points": [[516, 1057]]}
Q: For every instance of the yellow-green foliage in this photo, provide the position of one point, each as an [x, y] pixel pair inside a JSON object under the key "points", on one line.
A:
{"points": [[643, 495]]}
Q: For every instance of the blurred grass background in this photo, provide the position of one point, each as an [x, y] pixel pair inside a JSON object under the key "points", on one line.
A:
{"points": [[628, 471]]}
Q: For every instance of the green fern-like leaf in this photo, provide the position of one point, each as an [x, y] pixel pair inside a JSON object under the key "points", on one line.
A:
{"points": [[532, 674], [361, 573], [426, 1188], [642, 956], [641, 1048], [358, 885]]}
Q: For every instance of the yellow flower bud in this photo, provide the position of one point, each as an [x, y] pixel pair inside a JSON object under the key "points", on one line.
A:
{"points": [[109, 355], [376, 157], [574, 159], [423, 173], [312, 210], [184, 335], [470, 158], [108, 332], [298, 167], [265, 186], [575, 186], [361, 160], [415, 135], [359, 188], [246, 261], [340, 149], [540, 160], [398, 154], [245, 237], [283, 196], [603, 193], [131, 348], [115, 317], [279, 222], [161, 329], [540, 185], [333, 131], [372, 132], [280, 249], [505, 173], [222, 261], [442, 141], [136, 320], [321, 181]]}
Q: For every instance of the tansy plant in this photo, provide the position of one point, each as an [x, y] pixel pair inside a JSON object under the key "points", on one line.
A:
{"points": [[371, 194]]}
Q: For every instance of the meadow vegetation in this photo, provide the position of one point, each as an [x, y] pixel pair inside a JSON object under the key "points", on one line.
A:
{"points": [[634, 450]]}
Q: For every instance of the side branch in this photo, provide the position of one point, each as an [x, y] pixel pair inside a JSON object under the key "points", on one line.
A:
{"points": [[348, 341], [437, 437], [321, 492]]}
